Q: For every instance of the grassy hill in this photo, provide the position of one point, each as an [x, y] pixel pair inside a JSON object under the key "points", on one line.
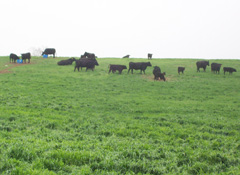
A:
{"points": [[57, 121]]}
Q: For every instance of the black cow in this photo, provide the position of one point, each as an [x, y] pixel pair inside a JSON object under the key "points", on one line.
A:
{"points": [[66, 62], [88, 55], [88, 63], [140, 65], [160, 75], [26, 56], [181, 69], [157, 73], [229, 69], [49, 51], [115, 67], [215, 67], [127, 56], [150, 56], [13, 57], [156, 69], [202, 64]]}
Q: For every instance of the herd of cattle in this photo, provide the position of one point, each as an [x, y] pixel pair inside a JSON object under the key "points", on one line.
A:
{"points": [[89, 61]]}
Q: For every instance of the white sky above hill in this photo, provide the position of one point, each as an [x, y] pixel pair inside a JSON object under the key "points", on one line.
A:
{"points": [[114, 28]]}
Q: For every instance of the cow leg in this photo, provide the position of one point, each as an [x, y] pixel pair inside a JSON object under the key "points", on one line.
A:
{"points": [[132, 71], [53, 55], [109, 71]]}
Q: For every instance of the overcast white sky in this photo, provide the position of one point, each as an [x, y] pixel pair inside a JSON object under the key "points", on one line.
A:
{"points": [[113, 28]]}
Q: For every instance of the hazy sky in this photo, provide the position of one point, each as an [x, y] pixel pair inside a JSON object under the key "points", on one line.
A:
{"points": [[113, 28]]}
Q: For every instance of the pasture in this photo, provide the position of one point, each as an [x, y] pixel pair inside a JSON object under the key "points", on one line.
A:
{"points": [[57, 121]]}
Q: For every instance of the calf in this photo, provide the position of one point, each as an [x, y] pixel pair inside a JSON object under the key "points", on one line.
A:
{"points": [[140, 65], [202, 64], [160, 75], [229, 69], [215, 67], [66, 62], [88, 63], [26, 56], [13, 57], [181, 69], [114, 68]]}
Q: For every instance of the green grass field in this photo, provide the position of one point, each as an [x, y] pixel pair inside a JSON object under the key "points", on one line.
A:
{"points": [[57, 121]]}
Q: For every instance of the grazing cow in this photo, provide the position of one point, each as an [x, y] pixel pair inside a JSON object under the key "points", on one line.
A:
{"points": [[88, 63], [89, 56], [127, 56], [181, 69], [140, 65], [215, 67], [229, 69], [26, 56], [66, 62], [115, 67], [49, 51], [202, 64], [150, 56], [13, 57]]}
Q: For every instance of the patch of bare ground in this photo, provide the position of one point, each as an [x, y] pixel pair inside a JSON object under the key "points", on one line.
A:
{"points": [[9, 66], [151, 78]]}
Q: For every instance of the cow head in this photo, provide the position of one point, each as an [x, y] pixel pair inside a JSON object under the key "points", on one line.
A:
{"points": [[96, 63], [124, 67], [149, 64], [234, 70], [208, 63]]}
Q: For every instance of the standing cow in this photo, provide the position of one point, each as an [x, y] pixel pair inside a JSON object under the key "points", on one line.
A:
{"points": [[88, 55], [202, 64], [139, 65], [13, 57], [26, 56], [150, 56], [181, 69], [88, 63], [229, 69], [49, 51], [215, 67], [116, 67]]}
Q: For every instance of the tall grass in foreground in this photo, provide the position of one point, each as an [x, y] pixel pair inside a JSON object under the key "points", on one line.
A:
{"points": [[56, 121]]}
